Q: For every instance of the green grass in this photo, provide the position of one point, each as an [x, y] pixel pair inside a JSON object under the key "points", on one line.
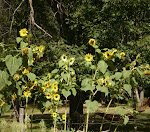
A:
{"points": [[143, 125]]}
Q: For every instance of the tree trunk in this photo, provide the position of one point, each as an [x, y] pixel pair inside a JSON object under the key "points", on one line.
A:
{"points": [[76, 110]]}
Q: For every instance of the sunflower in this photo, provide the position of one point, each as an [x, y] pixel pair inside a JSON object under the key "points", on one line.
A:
{"points": [[92, 42], [14, 96], [48, 96], [56, 97], [122, 54], [16, 77], [146, 72], [114, 51], [64, 117], [49, 109], [3, 104], [107, 55], [49, 75], [25, 71], [27, 94], [43, 89], [47, 84], [100, 81], [54, 115], [71, 61], [55, 87], [123, 68], [24, 51], [41, 48], [23, 32], [88, 57], [64, 58]]}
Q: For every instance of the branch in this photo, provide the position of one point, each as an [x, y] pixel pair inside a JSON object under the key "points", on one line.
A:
{"points": [[33, 21], [14, 15]]}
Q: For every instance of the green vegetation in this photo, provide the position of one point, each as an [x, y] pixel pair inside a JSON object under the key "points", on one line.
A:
{"points": [[85, 51]]}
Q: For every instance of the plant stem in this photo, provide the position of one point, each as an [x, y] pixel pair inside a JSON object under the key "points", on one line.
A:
{"points": [[65, 114], [105, 114], [87, 120]]}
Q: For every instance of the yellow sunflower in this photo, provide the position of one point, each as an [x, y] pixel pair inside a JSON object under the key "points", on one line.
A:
{"points": [[27, 94], [64, 117], [56, 97], [54, 115], [146, 72], [41, 48], [49, 75], [24, 51], [71, 61], [55, 87], [122, 54], [100, 81], [49, 109], [23, 32], [14, 96], [88, 57], [107, 55], [25, 71], [64, 58], [47, 84], [16, 77], [92, 42], [48, 96]]}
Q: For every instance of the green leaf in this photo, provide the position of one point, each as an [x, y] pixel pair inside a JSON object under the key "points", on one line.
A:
{"points": [[127, 87], [47, 104], [5, 108], [126, 73], [54, 71], [23, 45], [66, 93], [31, 76], [126, 120], [139, 61], [118, 75], [74, 92], [61, 63], [85, 82], [3, 79], [102, 65], [30, 56], [122, 112], [92, 106], [98, 51], [88, 87], [19, 91], [103, 89], [13, 64], [64, 76], [18, 39]]}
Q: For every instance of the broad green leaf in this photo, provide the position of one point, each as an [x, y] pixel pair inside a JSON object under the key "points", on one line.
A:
{"points": [[1, 96], [98, 51], [66, 93], [17, 85], [74, 92], [3, 79], [23, 45], [102, 65], [30, 56], [92, 106], [54, 71], [13, 64], [85, 82], [19, 91], [47, 104], [126, 120], [88, 87], [64, 76], [118, 75], [61, 63], [18, 39], [5, 108], [103, 89], [127, 87], [140, 72], [126, 73], [31, 76]]}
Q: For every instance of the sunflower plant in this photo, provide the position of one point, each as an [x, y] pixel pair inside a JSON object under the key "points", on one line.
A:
{"points": [[107, 73]]}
